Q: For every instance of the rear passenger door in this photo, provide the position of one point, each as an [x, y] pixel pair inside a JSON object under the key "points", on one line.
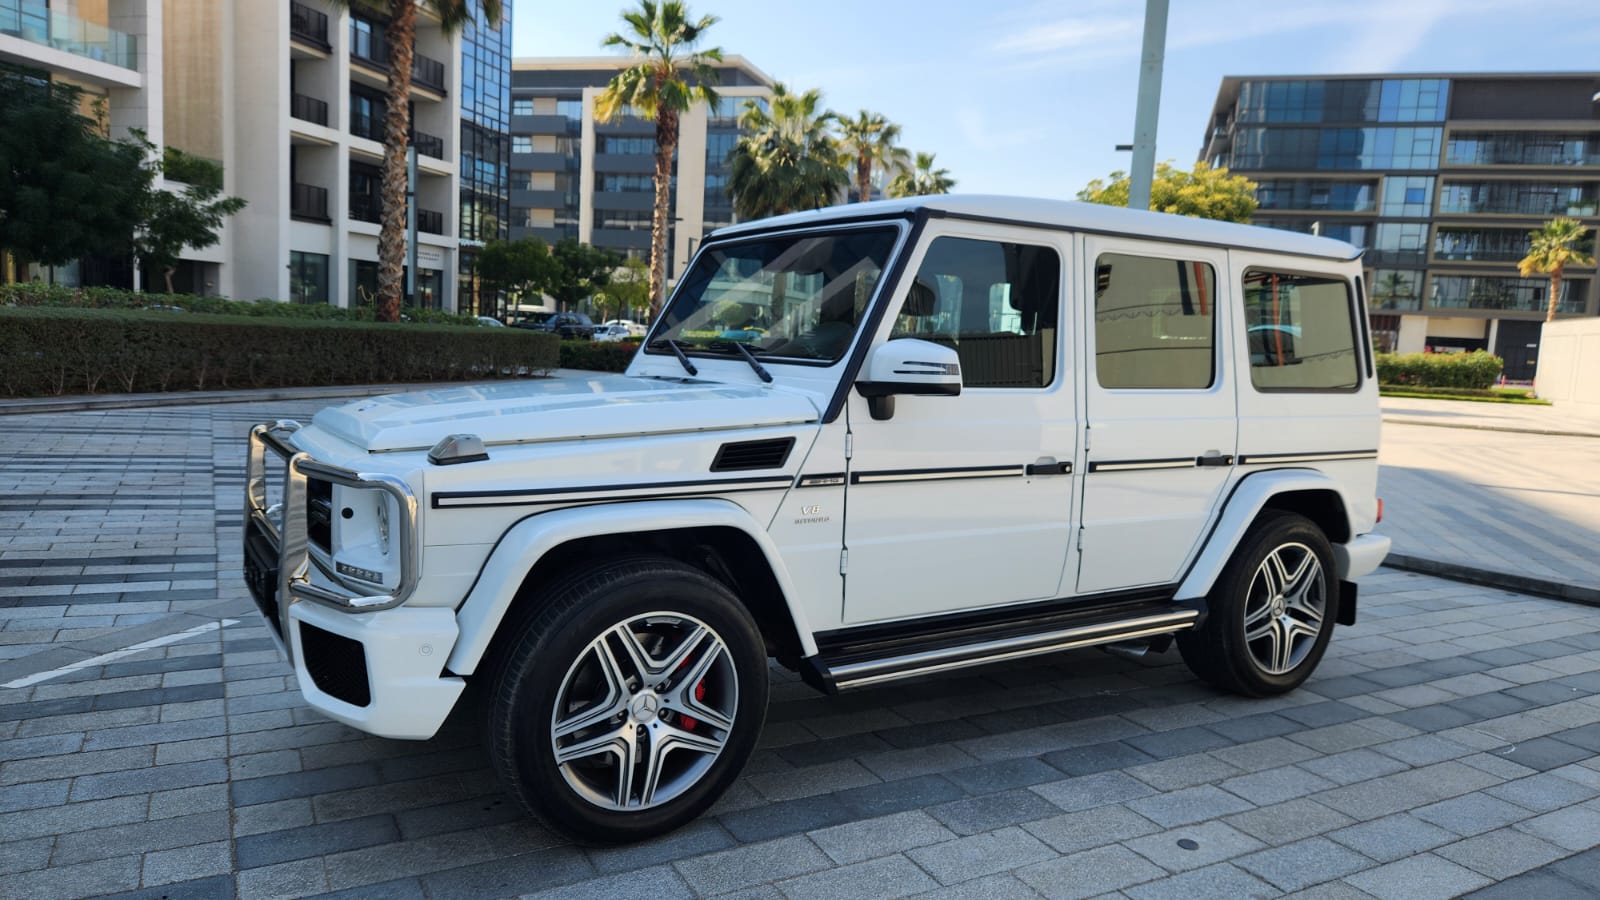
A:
{"points": [[1160, 406]]}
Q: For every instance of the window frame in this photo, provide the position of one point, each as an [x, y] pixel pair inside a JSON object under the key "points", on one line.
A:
{"points": [[1091, 309], [1358, 330]]}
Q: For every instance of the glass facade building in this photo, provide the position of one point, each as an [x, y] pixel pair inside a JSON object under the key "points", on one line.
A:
{"points": [[1439, 179], [485, 159]]}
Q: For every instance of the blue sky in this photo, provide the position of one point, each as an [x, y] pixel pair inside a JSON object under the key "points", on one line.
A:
{"points": [[1031, 96]]}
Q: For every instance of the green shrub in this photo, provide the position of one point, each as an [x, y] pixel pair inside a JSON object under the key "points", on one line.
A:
{"points": [[1455, 370], [74, 351], [34, 294], [598, 356]]}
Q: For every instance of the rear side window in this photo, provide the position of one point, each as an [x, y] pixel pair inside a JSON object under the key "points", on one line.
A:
{"points": [[1301, 332], [1154, 322]]}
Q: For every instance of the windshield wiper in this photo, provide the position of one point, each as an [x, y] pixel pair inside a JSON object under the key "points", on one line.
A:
{"points": [[677, 351], [761, 371]]}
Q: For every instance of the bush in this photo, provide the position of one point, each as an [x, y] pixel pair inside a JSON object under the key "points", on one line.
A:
{"points": [[1454, 370], [34, 294], [598, 356], [73, 351]]}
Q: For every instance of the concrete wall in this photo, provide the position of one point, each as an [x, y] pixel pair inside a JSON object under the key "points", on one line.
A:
{"points": [[1569, 364]]}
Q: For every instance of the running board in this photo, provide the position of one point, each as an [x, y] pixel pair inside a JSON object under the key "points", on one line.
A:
{"points": [[858, 669]]}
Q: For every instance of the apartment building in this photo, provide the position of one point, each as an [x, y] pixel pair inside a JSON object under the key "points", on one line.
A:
{"points": [[1440, 178], [575, 177]]}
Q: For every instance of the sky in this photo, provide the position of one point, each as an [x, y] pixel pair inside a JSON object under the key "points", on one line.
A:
{"points": [[1031, 97]]}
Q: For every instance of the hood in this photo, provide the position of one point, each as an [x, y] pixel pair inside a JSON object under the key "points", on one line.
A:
{"points": [[559, 409]]}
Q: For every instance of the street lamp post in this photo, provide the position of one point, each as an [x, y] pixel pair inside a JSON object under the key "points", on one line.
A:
{"points": [[1149, 105]]}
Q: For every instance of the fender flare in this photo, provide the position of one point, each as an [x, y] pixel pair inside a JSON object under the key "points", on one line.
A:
{"points": [[1250, 495], [527, 541]]}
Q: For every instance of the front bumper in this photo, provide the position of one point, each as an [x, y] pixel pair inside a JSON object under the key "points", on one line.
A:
{"points": [[358, 655]]}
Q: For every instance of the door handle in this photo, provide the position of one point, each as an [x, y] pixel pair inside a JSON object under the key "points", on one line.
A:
{"points": [[1214, 458], [1047, 465]]}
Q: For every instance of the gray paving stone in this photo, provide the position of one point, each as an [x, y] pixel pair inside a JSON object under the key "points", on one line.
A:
{"points": [[1270, 753], [886, 877], [273, 847], [140, 837], [24, 856], [661, 882], [187, 863], [105, 876], [1193, 846], [751, 864], [1102, 757], [1283, 823], [1472, 814], [1545, 753], [1075, 831], [772, 820], [1543, 792], [188, 801], [898, 796], [1090, 873], [1276, 785], [1187, 806], [1424, 877], [1393, 837], [1583, 868], [1302, 864], [696, 838], [994, 887], [1183, 771], [1089, 791], [72, 764], [301, 878], [1540, 883], [1003, 775], [1423, 749], [1220, 880], [857, 841], [73, 817], [513, 875], [1574, 828], [981, 854], [34, 795], [991, 811], [155, 778], [1180, 742], [1502, 853]]}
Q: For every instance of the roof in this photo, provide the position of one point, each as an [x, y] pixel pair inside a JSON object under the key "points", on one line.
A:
{"points": [[1069, 216]]}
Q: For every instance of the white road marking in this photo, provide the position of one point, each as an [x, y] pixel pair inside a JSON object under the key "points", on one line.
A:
{"points": [[102, 659]]}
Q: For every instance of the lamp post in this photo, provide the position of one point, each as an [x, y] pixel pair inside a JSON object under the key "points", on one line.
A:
{"points": [[1148, 110]]}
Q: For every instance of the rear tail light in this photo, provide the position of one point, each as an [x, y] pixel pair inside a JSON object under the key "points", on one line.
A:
{"points": [[1380, 509]]}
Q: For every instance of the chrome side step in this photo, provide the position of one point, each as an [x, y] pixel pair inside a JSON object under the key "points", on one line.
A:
{"points": [[862, 672]]}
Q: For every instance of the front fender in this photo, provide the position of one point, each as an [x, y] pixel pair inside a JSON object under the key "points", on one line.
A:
{"points": [[1249, 497], [531, 538]]}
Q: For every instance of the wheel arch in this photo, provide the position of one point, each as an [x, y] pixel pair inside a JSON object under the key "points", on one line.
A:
{"points": [[716, 536], [1306, 492]]}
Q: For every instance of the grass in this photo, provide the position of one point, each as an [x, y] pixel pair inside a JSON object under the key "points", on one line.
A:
{"points": [[1489, 395]]}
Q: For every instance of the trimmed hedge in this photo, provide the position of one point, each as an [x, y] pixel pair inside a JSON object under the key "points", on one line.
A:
{"points": [[33, 294], [82, 351], [598, 356], [1477, 369]]}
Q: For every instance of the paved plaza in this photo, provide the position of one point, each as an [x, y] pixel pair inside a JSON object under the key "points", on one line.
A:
{"points": [[1449, 744]]}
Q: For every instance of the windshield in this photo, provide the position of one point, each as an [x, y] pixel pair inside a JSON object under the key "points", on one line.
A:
{"points": [[797, 296]]}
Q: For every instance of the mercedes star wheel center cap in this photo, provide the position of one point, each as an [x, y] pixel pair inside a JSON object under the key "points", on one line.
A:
{"points": [[645, 707]]}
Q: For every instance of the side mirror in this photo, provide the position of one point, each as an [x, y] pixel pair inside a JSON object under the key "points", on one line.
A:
{"points": [[908, 366]]}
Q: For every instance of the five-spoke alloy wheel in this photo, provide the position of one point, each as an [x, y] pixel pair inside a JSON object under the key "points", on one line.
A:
{"points": [[1271, 612], [628, 700]]}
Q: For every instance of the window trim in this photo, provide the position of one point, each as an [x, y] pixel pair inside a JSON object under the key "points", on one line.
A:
{"points": [[1358, 328], [1093, 341]]}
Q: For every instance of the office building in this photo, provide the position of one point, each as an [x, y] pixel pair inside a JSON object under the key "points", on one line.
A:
{"points": [[575, 177], [1439, 178]]}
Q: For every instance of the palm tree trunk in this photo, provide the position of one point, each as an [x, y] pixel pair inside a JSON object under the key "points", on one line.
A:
{"points": [[399, 37], [1555, 293], [863, 177], [666, 143]]}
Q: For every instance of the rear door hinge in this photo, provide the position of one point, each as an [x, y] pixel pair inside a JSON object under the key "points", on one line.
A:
{"points": [[844, 561]]}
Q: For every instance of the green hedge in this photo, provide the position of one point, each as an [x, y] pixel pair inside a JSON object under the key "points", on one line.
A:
{"points": [[599, 356], [80, 351], [33, 294], [1456, 370]]}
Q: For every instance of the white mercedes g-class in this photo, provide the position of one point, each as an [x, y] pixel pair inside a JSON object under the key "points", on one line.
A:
{"points": [[873, 442]]}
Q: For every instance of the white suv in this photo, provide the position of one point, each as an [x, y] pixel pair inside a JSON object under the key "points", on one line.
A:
{"points": [[970, 429]]}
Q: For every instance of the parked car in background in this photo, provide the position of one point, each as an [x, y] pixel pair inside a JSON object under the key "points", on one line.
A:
{"points": [[634, 328], [570, 326], [610, 332], [490, 322]]}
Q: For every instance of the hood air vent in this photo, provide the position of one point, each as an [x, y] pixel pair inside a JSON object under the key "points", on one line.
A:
{"points": [[746, 455]]}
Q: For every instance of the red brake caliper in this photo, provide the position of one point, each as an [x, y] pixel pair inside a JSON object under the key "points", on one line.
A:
{"points": [[688, 723]]}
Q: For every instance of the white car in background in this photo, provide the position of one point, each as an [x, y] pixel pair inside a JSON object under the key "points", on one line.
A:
{"points": [[634, 328], [612, 333]]}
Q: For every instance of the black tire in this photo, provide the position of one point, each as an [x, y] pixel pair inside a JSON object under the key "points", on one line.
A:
{"points": [[1282, 655], [554, 655]]}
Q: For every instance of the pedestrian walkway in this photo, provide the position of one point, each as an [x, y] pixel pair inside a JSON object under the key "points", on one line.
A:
{"points": [[1520, 417]]}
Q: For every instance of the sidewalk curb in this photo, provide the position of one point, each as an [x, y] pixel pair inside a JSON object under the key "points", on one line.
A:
{"points": [[1401, 420], [1522, 584]]}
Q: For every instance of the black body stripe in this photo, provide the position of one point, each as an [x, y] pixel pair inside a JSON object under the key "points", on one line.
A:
{"points": [[1308, 456], [1131, 465], [964, 473], [514, 497]]}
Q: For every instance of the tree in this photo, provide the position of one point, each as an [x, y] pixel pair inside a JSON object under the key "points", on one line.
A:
{"points": [[868, 141], [667, 77], [517, 267], [1205, 193], [628, 292], [1550, 250], [399, 40], [579, 271], [190, 217], [65, 190], [787, 159], [921, 180]]}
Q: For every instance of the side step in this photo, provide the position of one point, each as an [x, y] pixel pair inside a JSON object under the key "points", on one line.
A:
{"points": [[842, 667]]}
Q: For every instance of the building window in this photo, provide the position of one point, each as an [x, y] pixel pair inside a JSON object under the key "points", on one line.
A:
{"points": [[1408, 195], [1401, 243], [611, 181], [521, 143], [1522, 148], [1334, 149], [628, 221], [1302, 194], [1344, 100], [308, 277], [571, 109], [1301, 332], [1154, 322], [1521, 198], [522, 106], [1499, 292], [1356, 234], [995, 303], [1398, 289]]}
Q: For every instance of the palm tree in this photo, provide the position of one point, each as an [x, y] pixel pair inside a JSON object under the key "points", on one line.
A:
{"points": [[868, 140], [399, 39], [922, 180], [1551, 249], [667, 77], [787, 160]]}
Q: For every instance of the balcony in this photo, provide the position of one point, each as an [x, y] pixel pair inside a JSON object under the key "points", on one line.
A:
{"points": [[308, 26], [366, 208], [427, 144], [36, 23], [307, 201], [368, 49], [367, 126], [308, 109], [430, 221]]}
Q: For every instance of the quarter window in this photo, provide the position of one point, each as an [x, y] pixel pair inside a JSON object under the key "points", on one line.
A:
{"points": [[996, 303], [1154, 322], [1301, 332]]}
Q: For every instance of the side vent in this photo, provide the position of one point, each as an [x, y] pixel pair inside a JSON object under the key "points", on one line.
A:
{"points": [[746, 455]]}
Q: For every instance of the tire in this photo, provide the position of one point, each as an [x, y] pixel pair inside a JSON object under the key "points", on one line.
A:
{"points": [[629, 701], [1261, 638]]}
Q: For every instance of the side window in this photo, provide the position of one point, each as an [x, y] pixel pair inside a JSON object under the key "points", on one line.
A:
{"points": [[995, 302], [1154, 322], [1301, 332]]}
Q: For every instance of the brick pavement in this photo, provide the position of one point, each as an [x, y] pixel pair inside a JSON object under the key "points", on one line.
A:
{"points": [[1448, 744]]}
